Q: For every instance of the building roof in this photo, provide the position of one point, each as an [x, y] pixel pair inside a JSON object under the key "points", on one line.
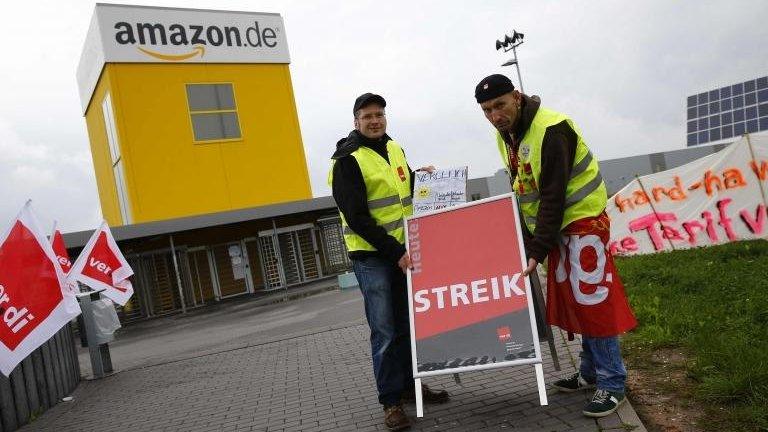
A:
{"points": [[170, 226]]}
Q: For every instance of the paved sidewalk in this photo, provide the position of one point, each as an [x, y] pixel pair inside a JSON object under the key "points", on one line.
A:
{"points": [[233, 323], [319, 381]]}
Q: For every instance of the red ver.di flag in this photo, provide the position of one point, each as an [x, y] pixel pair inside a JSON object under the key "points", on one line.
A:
{"points": [[470, 305], [62, 257], [33, 306], [101, 265]]}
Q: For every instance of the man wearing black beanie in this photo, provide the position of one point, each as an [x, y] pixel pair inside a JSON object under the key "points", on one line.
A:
{"points": [[562, 199]]}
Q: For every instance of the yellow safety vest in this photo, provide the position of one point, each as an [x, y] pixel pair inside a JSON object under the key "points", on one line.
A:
{"points": [[388, 190], [585, 194]]}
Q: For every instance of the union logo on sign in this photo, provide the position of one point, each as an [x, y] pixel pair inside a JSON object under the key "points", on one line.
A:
{"points": [[504, 333]]}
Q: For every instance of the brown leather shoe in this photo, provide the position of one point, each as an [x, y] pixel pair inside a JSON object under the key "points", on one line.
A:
{"points": [[427, 395], [395, 418]]}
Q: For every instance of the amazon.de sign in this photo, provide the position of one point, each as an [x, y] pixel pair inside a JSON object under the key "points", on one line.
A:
{"points": [[140, 34]]}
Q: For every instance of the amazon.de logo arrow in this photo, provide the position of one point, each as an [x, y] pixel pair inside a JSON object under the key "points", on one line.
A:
{"points": [[198, 49]]}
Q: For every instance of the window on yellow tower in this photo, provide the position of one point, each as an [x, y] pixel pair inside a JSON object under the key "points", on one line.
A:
{"points": [[213, 112]]}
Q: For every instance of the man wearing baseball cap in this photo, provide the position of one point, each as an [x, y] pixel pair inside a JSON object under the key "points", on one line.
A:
{"points": [[373, 187], [562, 199]]}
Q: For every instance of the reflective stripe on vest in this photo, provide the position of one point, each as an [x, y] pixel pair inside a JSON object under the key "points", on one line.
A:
{"points": [[530, 220], [383, 202], [387, 226], [585, 191], [388, 190], [529, 197], [582, 165], [577, 169]]}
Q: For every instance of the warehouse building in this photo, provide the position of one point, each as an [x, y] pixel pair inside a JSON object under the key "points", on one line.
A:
{"points": [[198, 156]]}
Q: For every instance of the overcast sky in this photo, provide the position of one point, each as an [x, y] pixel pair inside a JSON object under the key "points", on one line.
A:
{"points": [[622, 70]]}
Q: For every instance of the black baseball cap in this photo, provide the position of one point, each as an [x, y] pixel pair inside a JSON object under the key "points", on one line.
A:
{"points": [[493, 86], [366, 99]]}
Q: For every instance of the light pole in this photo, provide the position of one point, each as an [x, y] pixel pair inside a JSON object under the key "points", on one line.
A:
{"points": [[511, 43]]}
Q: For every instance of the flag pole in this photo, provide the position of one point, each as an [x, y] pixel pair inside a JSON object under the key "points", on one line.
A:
{"points": [[754, 161], [650, 201]]}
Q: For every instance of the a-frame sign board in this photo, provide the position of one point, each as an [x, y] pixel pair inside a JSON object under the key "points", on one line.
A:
{"points": [[470, 308]]}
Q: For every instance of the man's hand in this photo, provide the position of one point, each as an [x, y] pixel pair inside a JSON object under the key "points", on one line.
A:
{"points": [[531, 267], [428, 169], [405, 263]]}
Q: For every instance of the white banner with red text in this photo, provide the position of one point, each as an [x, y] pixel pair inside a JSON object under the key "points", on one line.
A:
{"points": [[717, 199]]}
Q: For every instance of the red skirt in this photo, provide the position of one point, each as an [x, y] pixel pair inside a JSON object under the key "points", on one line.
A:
{"points": [[584, 291]]}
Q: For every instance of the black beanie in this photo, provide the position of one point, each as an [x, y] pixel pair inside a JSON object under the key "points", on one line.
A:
{"points": [[493, 86]]}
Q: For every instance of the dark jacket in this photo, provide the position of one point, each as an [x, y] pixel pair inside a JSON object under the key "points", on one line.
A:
{"points": [[350, 194], [557, 155]]}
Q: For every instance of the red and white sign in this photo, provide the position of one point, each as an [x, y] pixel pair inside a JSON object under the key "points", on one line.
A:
{"points": [[717, 199], [33, 306], [101, 265], [469, 303]]}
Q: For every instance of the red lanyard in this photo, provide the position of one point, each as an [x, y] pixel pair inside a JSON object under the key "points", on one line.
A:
{"points": [[513, 163], [512, 155]]}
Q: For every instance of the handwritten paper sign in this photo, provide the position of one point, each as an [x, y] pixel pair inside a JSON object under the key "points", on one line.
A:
{"points": [[439, 189], [716, 199]]}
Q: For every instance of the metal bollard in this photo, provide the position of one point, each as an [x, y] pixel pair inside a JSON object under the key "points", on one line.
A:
{"points": [[98, 348]]}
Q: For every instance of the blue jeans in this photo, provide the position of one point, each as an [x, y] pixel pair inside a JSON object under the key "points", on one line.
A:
{"points": [[385, 294], [601, 361]]}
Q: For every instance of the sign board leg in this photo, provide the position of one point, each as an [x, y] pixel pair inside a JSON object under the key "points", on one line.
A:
{"points": [[540, 307], [419, 400], [540, 381]]}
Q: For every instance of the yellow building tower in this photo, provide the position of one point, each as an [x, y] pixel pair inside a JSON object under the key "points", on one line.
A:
{"points": [[189, 112]]}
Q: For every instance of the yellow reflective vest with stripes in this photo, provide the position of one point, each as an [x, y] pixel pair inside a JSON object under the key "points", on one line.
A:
{"points": [[585, 194], [388, 190]]}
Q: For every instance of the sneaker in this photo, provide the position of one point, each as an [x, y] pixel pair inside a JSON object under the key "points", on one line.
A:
{"points": [[428, 396], [395, 418], [573, 383], [604, 403]]}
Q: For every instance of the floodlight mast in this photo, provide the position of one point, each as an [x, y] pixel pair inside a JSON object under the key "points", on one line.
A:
{"points": [[511, 43]]}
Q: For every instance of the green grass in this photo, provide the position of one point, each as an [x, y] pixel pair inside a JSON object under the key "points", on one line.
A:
{"points": [[713, 303]]}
